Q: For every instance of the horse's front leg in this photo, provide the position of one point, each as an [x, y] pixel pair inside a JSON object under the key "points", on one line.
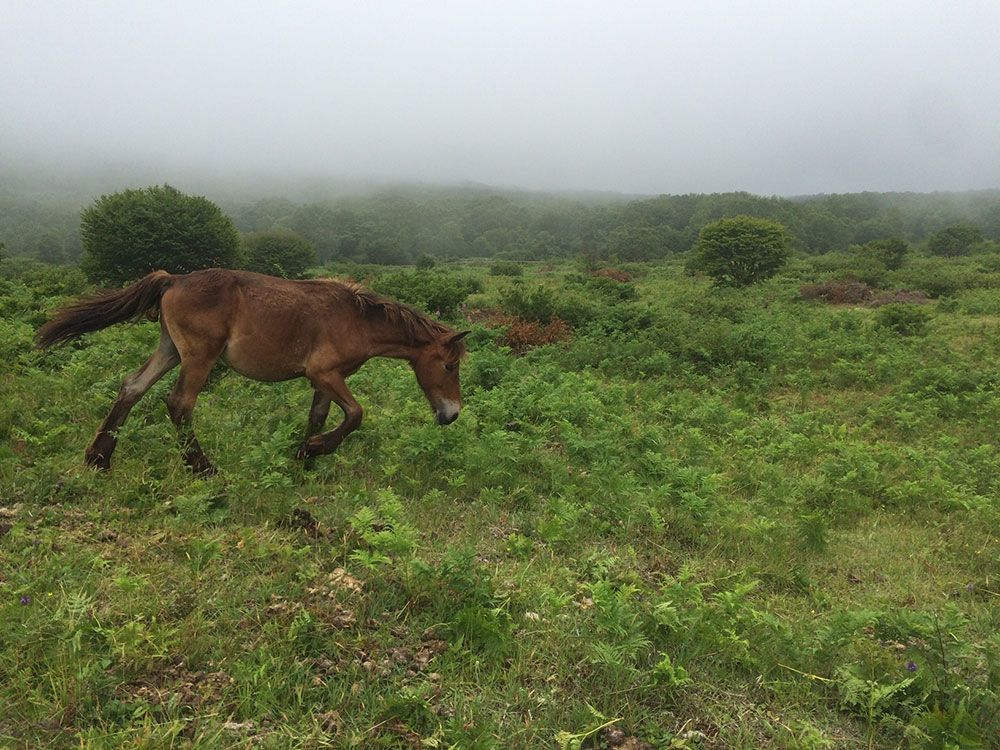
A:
{"points": [[329, 387], [318, 413]]}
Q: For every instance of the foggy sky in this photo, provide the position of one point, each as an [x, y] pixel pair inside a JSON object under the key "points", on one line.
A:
{"points": [[772, 97]]}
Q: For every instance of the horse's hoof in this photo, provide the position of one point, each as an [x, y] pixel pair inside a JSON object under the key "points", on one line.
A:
{"points": [[205, 470], [97, 461]]}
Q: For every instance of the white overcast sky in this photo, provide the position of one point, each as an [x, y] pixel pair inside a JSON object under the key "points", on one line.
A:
{"points": [[640, 97]]}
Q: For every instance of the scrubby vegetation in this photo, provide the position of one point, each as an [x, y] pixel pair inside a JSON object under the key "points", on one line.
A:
{"points": [[695, 518]]}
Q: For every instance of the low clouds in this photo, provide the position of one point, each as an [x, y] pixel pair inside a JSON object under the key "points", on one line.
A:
{"points": [[644, 97]]}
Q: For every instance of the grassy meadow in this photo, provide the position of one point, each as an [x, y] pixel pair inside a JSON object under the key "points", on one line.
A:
{"points": [[682, 517]]}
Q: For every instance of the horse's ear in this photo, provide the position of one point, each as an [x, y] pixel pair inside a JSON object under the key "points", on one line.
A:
{"points": [[458, 337]]}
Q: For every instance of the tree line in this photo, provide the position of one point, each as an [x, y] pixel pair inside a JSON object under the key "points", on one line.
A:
{"points": [[397, 227]]}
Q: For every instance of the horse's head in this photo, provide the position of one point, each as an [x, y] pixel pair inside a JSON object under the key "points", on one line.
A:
{"points": [[436, 368]]}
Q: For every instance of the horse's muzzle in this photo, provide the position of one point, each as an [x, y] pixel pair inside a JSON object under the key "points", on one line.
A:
{"points": [[447, 412]]}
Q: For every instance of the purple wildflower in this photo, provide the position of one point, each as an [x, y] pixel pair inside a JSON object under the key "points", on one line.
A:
{"points": [[970, 587], [911, 666], [59, 484], [25, 600]]}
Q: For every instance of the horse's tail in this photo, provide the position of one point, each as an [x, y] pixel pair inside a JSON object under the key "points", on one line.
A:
{"points": [[94, 313]]}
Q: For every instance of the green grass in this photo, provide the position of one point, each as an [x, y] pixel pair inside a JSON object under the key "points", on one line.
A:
{"points": [[715, 518]]}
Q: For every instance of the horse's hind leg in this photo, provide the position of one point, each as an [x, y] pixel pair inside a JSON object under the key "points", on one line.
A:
{"points": [[180, 404], [133, 388]]}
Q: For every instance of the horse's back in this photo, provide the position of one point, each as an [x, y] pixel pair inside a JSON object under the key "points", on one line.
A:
{"points": [[263, 327]]}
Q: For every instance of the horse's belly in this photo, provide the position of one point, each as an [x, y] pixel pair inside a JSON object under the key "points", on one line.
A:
{"points": [[264, 365]]}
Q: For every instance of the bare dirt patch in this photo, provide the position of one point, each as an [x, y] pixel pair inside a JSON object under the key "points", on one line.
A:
{"points": [[838, 292], [302, 520], [901, 297], [181, 686], [610, 273]]}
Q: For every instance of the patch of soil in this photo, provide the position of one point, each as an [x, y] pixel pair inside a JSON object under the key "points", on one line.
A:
{"points": [[410, 660], [302, 520], [616, 739], [180, 685], [901, 297], [838, 292], [336, 582], [482, 316], [610, 273], [110, 536]]}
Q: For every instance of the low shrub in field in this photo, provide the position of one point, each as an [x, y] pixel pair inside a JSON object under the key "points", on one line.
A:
{"points": [[977, 302], [838, 292], [522, 334], [434, 292], [941, 278], [506, 268], [425, 262], [907, 320], [610, 273], [608, 289], [542, 303], [900, 297]]}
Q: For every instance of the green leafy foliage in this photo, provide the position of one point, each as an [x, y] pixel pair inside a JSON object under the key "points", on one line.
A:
{"points": [[278, 252], [908, 320], [435, 292], [956, 239], [890, 252], [506, 268], [128, 234], [742, 250], [713, 517]]}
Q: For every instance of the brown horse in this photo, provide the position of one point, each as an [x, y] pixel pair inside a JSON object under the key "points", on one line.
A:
{"points": [[267, 329]]}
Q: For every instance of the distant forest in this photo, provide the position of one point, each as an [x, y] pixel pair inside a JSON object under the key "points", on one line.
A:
{"points": [[397, 226]]}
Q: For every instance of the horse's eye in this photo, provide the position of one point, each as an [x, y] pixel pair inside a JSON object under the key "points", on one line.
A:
{"points": [[449, 368]]}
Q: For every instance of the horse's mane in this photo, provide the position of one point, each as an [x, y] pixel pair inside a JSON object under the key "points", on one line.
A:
{"points": [[418, 327]]}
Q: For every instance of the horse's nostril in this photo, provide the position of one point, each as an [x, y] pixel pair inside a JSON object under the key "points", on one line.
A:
{"points": [[444, 418], [447, 411]]}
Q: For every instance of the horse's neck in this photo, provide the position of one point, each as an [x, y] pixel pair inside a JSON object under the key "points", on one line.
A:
{"points": [[390, 340]]}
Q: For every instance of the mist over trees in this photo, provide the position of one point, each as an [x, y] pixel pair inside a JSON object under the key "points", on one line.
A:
{"points": [[396, 226]]}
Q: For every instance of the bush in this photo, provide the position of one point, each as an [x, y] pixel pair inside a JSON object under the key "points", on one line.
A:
{"points": [[425, 262], [838, 292], [742, 250], [435, 293], [506, 268], [957, 239], [611, 273], [279, 252], [891, 252], [523, 334], [938, 277], [604, 287], [126, 235], [542, 303], [907, 320]]}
